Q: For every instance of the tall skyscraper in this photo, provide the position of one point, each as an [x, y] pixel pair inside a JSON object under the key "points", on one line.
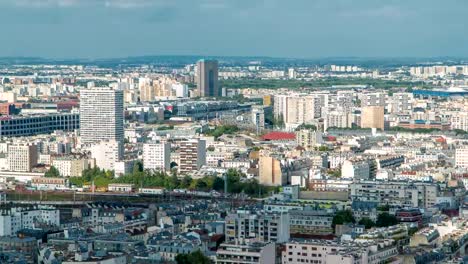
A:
{"points": [[101, 115], [207, 78]]}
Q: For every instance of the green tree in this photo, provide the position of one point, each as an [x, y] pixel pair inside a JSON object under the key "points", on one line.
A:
{"points": [[52, 172], [306, 126], [323, 148], [137, 167], [201, 185], [221, 130], [343, 217], [192, 258], [367, 222], [218, 184], [384, 208], [77, 181], [186, 181], [386, 219]]}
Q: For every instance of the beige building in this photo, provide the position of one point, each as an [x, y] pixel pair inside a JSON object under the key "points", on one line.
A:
{"points": [[70, 166], [461, 157], [146, 89], [22, 157], [308, 138], [373, 117], [338, 119], [297, 109], [262, 253], [269, 171]]}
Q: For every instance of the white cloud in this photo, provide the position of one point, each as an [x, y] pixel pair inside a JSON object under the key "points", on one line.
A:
{"points": [[120, 4], [43, 3], [128, 4]]}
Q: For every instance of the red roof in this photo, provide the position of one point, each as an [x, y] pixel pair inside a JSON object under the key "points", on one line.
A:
{"points": [[279, 136]]}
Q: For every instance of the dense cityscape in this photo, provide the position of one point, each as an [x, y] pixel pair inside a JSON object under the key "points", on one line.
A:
{"points": [[233, 132], [171, 164]]}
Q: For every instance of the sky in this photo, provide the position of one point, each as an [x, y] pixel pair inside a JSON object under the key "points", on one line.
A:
{"points": [[94, 29]]}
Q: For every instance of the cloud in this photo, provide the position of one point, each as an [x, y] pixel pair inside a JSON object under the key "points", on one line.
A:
{"points": [[42, 3], [130, 4], [118, 4]]}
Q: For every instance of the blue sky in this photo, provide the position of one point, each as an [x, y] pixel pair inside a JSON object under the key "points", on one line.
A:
{"points": [[279, 28]]}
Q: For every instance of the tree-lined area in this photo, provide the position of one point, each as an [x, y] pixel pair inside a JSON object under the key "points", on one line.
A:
{"points": [[317, 83], [237, 181]]}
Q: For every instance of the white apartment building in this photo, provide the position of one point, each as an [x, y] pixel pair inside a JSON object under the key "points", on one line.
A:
{"points": [[401, 103], [308, 138], [246, 253], [331, 252], [459, 120], [214, 158], [310, 222], [337, 119], [257, 227], [157, 156], [106, 154], [297, 109], [101, 115], [461, 157], [395, 193], [70, 166], [123, 167], [258, 116], [355, 169], [373, 99], [15, 219], [22, 157]]}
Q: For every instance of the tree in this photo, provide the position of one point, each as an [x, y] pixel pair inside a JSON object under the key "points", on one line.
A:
{"points": [[306, 126], [218, 184], [386, 219], [52, 172], [137, 167], [367, 222], [192, 258], [323, 148], [384, 208], [186, 181], [343, 217]]}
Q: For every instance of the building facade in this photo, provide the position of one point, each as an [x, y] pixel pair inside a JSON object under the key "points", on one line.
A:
{"points": [[207, 78], [101, 115], [157, 156]]}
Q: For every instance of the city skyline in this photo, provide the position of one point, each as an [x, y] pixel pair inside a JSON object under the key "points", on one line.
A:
{"points": [[302, 29]]}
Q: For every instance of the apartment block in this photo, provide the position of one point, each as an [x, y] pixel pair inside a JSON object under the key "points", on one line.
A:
{"points": [[22, 157], [251, 226], [157, 156]]}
